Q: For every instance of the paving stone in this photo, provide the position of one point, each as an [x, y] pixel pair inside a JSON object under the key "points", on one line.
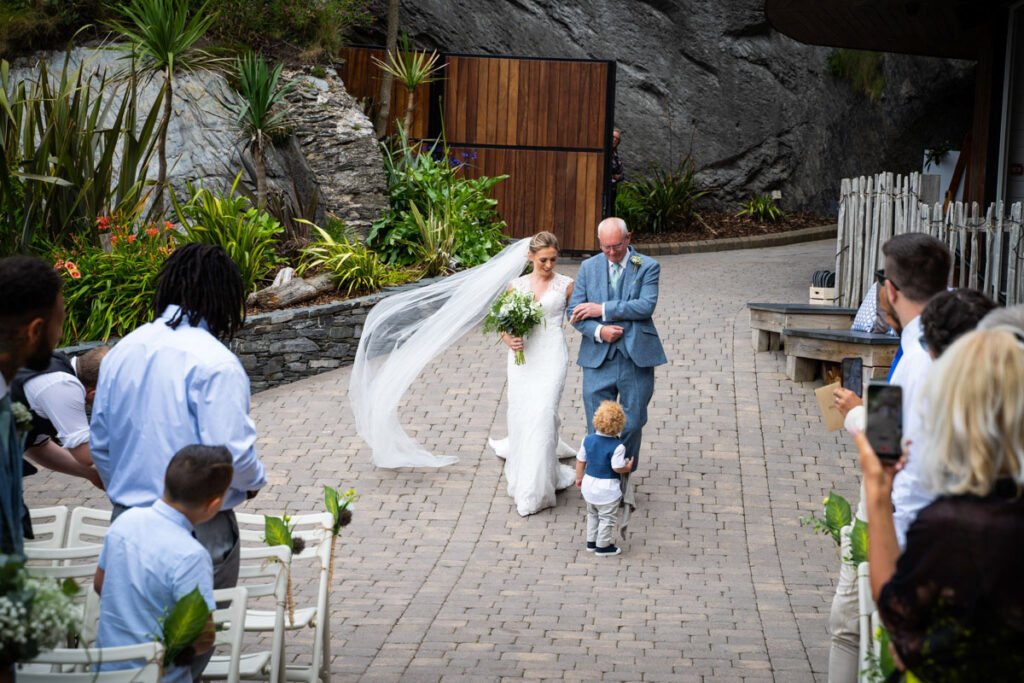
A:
{"points": [[438, 578]]}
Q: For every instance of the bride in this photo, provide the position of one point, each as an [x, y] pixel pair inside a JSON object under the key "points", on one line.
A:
{"points": [[535, 388], [406, 331]]}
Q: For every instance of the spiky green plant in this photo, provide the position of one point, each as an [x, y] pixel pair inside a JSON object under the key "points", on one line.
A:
{"points": [[162, 38], [262, 114], [762, 208], [412, 69], [353, 267]]}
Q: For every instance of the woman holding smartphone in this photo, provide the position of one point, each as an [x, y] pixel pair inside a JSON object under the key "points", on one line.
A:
{"points": [[954, 601]]}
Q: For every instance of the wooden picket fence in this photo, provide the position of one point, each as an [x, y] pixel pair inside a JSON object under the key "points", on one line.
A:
{"points": [[987, 251]]}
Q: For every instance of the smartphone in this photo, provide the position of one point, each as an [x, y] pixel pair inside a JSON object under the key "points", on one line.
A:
{"points": [[885, 420], [853, 375]]}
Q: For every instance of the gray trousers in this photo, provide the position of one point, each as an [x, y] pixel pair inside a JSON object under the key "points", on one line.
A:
{"points": [[602, 522], [220, 538], [844, 623]]}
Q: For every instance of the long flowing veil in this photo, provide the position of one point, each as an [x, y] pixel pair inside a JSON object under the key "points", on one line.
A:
{"points": [[402, 334]]}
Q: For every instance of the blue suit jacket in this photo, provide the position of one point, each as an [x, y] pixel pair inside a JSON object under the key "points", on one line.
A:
{"points": [[638, 296]]}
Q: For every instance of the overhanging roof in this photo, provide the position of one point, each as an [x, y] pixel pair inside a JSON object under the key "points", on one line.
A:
{"points": [[937, 28]]}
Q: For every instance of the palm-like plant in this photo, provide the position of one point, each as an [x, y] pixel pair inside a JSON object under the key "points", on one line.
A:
{"points": [[162, 39], [263, 112], [412, 69]]}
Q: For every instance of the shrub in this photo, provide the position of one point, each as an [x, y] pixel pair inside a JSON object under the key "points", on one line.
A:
{"points": [[29, 25], [353, 267], [664, 200], [110, 293], [863, 69], [433, 180], [229, 220], [761, 208], [319, 27], [63, 162]]}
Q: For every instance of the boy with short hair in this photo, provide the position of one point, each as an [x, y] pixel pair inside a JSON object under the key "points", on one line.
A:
{"points": [[600, 461], [151, 559]]}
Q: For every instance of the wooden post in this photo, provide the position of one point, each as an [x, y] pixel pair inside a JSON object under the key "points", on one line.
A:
{"points": [[1014, 295]]}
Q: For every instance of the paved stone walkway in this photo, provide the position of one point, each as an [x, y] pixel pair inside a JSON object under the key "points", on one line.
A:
{"points": [[438, 578]]}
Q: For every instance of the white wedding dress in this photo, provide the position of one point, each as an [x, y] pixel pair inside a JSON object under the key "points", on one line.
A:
{"points": [[533, 446]]}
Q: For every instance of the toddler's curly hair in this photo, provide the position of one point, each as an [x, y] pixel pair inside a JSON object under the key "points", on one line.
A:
{"points": [[609, 418]]}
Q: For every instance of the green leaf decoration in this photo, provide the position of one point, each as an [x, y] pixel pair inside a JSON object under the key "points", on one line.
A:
{"points": [[887, 665], [70, 588], [859, 542], [837, 514], [276, 532], [184, 624], [331, 500]]}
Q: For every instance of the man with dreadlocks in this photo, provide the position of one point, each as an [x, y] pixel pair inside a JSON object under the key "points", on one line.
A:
{"points": [[172, 383]]}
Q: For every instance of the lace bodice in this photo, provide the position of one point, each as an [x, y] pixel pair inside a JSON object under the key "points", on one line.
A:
{"points": [[553, 300]]}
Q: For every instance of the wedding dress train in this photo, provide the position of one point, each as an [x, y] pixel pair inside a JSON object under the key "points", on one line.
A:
{"points": [[533, 446]]}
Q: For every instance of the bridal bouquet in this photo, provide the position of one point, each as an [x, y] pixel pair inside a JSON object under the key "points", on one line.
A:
{"points": [[514, 313]]}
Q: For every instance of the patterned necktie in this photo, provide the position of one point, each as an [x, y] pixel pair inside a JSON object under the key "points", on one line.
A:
{"points": [[616, 274]]}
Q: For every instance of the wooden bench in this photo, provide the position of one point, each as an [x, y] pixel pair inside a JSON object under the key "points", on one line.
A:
{"points": [[767, 321], [805, 349]]}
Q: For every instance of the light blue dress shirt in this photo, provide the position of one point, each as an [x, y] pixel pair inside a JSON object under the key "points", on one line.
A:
{"points": [[160, 390], [150, 561]]}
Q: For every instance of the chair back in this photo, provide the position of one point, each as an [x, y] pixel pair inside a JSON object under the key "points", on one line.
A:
{"points": [[49, 526], [88, 526], [77, 563], [147, 655], [230, 619], [90, 617]]}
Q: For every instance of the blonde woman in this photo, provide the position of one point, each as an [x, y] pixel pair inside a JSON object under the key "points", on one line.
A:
{"points": [[954, 601]]}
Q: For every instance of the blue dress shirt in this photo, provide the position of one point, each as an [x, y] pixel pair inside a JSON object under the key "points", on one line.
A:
{"points": [[160, 390], [150, 561]]}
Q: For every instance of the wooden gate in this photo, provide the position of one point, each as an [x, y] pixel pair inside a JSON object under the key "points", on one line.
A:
{"points": [[545, 123]]}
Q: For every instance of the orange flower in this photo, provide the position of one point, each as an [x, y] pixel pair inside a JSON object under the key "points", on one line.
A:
{"points": [[58, 265], [168, 225], [103, 223], [72, 270], [152, 232], [113, 239], [131, 238]]}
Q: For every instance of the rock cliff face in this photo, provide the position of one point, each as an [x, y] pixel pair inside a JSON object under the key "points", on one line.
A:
{"points": [[760, 109], [330, 165]]}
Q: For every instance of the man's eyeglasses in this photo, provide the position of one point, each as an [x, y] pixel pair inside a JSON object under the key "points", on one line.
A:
{"points": [[613, 247], [881, 277]]}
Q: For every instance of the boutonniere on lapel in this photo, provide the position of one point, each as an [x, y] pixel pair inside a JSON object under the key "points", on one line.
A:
{"points": [[636, 260], [22, 416]]}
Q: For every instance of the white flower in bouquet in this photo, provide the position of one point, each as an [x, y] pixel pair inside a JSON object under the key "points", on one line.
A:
{"points": [[515, 314]]}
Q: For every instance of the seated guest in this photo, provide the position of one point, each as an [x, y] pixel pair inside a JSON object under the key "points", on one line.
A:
{"points": [[57, 398], [150, 558], [953, 602], [950, 315], [872, 314]]}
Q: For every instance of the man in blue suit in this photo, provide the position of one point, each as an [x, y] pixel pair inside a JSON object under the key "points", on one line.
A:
{"points": [[612, 302]]}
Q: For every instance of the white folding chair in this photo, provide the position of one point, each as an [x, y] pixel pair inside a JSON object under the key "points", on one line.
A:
{"points": [[77, 563], [869, 619], [49, 526], [230, 621], [90, 618], [148, 656], [263, 574], [315, 529], [88, 526]]}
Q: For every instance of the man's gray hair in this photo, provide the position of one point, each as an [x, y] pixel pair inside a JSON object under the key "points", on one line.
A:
{"points": [[618, 222]]}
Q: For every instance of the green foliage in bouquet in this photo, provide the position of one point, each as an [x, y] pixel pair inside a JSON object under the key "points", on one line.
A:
{"points": [[858, 542], [183, 625], [516, 314]]}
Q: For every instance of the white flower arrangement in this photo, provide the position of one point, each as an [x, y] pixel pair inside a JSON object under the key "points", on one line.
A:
{"points": [[35, 614], [636, 260], [22, 416]]}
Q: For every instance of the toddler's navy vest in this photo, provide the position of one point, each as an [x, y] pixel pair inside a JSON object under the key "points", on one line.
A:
{"points": [[600, 449]]}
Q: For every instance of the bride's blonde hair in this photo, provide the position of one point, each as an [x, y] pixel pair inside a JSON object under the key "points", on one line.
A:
{"points": [[974, 414], [543, 240]]}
